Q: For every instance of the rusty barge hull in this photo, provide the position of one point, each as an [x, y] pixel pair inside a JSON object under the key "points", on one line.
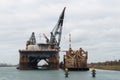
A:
{"points": [[30, 59]]}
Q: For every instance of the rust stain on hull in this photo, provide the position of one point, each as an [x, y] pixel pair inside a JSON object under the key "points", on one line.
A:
{"points": [[30, 59]]}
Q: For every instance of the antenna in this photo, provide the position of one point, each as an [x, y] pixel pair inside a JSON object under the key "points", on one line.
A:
{"points": [[69, 41]]}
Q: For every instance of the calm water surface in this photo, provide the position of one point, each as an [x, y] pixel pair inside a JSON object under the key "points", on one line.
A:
{"points": [[11, 73]]}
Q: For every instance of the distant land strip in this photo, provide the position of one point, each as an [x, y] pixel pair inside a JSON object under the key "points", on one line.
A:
{"points": [[108, 65], [7, 65]]}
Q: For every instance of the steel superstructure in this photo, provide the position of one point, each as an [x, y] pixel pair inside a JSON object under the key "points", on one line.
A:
{"points": [[49, 51]]}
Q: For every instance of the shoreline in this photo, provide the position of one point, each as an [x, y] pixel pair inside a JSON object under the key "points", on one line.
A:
{"points": [[108, 67]]}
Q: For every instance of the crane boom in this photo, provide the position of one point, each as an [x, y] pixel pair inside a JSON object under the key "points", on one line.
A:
{"points": [[57, 31]]}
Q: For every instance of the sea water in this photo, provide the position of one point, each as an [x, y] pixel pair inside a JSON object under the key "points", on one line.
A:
{"points": [[11, 73]]}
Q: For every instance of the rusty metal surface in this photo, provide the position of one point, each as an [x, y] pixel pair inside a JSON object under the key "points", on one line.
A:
{"points": [[30, 59], [76, 59]]}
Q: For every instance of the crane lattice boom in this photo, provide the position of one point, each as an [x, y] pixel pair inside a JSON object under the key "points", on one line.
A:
{"points": [[57, 31]]}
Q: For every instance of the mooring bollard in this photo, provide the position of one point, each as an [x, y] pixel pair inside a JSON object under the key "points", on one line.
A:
{"points": [[66, 72], [93, 72]]}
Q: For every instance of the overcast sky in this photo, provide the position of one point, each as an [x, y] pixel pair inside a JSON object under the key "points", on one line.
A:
{"points": [[94, 25]]}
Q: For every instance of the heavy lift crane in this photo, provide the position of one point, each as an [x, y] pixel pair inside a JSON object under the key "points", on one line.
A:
{"points": [[49, 51], [56, 33]]}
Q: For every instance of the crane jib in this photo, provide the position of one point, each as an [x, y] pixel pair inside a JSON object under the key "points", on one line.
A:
{"points": [[57, 31]]}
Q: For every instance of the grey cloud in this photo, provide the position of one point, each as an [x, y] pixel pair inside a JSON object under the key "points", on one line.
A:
{"points": [[93, 24]]}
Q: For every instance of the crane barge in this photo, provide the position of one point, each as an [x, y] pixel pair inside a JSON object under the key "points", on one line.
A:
{"points": [[49, 51]]}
